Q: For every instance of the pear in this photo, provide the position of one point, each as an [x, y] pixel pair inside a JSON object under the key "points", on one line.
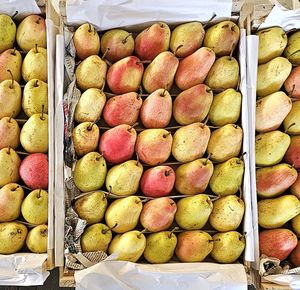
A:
{"points": [[35, 65], [7, 31], [91, 207], [227, 177], [90, 172], [96, 238], [296, 224], [117, 43], [35, 207], [190, 142], [10, 98], [291, 123], [224, 74], [160, 247], [91, 73], [160, 73], [152, 41], [275, 180], [272, 75], [86, 41], [292, 85], [90, 105], [123, 179], [153, 146], [228, 247], [129, 246], [273, 213], [270, 147], [10, 64], [293, 151], [225, 108], [123, 214], [227, 213], [272, 42], [193, 212], [186, 38], [271, 111], [9, 133], [295, 255], [11, 197], [193, 177], [34, 134], [37, 239], [31, 31], [292, 52], [295, 188], [225, 143], [222, 37], [156, 111], [35, 97], [85, 138], [12, 236], [193, 246], [192, 105], [9, 164]]}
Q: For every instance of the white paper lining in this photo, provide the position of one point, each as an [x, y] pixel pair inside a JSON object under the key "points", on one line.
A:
{"points": [[9, 7]]}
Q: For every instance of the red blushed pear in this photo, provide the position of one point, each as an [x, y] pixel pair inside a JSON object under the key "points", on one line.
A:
{"points": [[295, 255], [122, 109], [292, 83], [192, 105], [117, 144], [158, 181], [153, 146], [10, 60], [295, 188], [158, 214], [152, 41], [277, 243], [156, 111], [125, 75], [292, 155], [193, 69]]}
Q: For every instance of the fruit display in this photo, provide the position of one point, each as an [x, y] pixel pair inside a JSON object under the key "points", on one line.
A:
{"points": [[156, 140], [276, 144], [23, 135]]}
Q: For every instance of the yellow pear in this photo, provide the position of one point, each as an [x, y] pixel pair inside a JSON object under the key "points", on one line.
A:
{"points": [[296, 225], [291, 123], [37, 239], [9, 133], [9, 164], [7, 31], [292, 51]]}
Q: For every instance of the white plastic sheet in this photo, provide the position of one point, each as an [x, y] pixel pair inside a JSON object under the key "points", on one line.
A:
{"points": [[9, 7]]}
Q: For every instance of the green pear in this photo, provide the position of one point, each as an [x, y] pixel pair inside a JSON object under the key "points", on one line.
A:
{"points": [[160, 247], [12, 237], [10, 65], [90, 172], [96, 238], [10, 98], [193, 212], [272, 75], [228, 247], [91, 73], [11, 197], [291, 123], [123, 179], [35, 65], [227, 177], [296, 225], [37, 239], [9, 133], [35, 97], [225, 108], [85, 138], [270, 147], [271, 111], [34, 134], [9, 164], [91, 207], [227, 213], [292, 51], [90, 105], [272, 42], [7, 31], [35, 207], [224, 74], [130, 246], [123, 214], [275, 212], [225, 143]]}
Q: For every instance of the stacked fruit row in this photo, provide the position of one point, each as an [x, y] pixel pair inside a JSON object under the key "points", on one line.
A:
{"points": [[23, 133], [179, 157], [278, 144]]}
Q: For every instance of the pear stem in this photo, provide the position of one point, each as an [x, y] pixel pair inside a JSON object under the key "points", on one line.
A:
{"points": [[43, 109], [291, 125], [36, 48], [10, 117], [90, 126], [12, 78], [133, 126], [143, 61], [292, 91], [168, 172], [8, 150], [172, 231], [207, 158], [15, 14], [216, 198], [39, 194], [296, 51], [140, 92], [137, 159], [90, 27], [210, 20], [163, 93], [105, 53], [232, 50], [166, 135], [14, 51], [140, 234], [205, 121], [103, 85], [242, 155], [36, 83], [125, 39], [241, 193], [109, 229], [178, 47]]}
